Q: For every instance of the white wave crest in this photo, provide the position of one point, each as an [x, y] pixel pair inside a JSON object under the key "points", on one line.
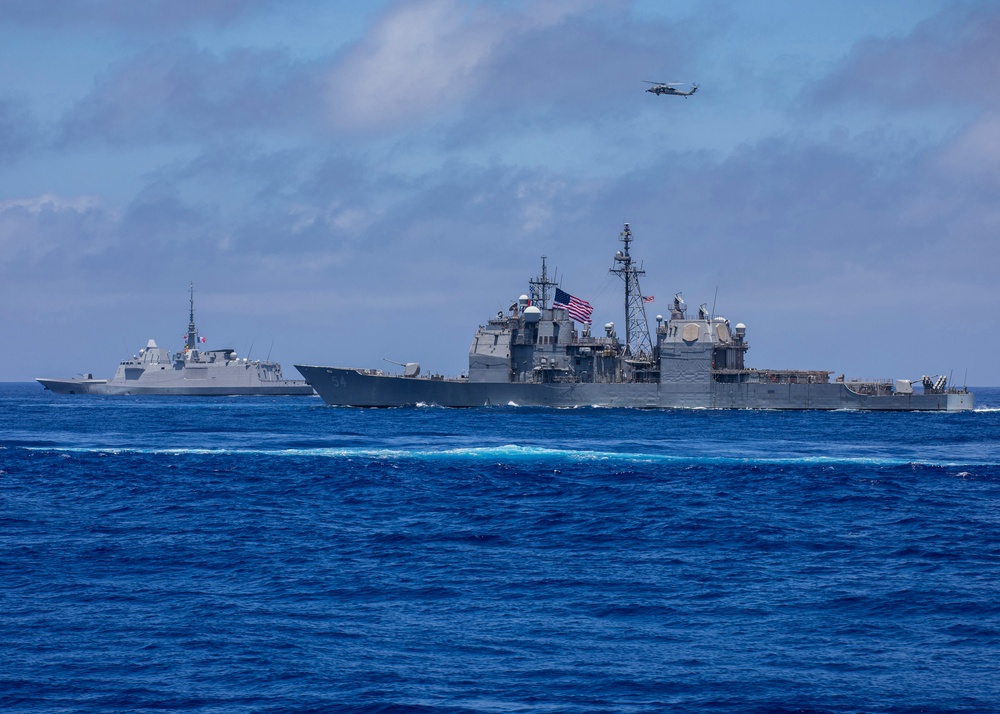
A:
{"points": [[519, 453]]}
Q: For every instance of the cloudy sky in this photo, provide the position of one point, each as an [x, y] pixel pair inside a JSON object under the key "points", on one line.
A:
{"points": [[346, 182]]}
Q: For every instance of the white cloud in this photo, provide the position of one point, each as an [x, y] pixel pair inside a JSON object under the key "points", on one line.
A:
{"points": [[51, 202], [426, 56], [975, 152], [33, 228]]}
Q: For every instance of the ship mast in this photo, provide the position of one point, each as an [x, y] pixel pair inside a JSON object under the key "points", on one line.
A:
{"points": [[192, 336], [637, 342], [540, 287]]}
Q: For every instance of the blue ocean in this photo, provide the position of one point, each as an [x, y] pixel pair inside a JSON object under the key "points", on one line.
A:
{"points": [[278, 555]]}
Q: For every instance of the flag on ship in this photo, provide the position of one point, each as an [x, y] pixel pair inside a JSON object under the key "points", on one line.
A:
{"points": [[579, 310]]}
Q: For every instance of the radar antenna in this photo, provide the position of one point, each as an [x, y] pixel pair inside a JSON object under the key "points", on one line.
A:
{"points": [[192, 335], [637, 342], [540, 288]]}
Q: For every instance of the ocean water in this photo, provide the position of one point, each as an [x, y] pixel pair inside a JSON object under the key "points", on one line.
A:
{"points": [[277, 555]]}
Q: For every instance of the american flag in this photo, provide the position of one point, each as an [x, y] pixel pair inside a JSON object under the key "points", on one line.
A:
{"points": [[648, 298], [579, 310]]}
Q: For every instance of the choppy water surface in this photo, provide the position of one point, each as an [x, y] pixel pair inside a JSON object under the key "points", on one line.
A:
{"points": [[275, 554]]}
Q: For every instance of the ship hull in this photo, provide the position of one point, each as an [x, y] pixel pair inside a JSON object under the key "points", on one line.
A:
{"points": [[291, 387], [353, 387]]}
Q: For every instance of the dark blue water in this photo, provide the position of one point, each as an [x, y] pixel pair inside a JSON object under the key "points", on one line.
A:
{"points": [[274, 554]]}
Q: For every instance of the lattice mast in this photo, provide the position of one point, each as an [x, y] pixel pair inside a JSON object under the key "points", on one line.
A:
{"points": [[540, 288], [637, 342]]}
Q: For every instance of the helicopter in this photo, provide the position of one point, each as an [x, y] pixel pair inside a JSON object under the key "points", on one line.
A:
{"points": [[659, 88]]}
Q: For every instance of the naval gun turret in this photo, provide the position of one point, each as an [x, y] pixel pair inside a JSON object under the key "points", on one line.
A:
{"points": [[410, 369]]}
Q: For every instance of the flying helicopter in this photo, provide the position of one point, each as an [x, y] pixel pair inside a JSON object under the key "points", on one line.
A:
{"points": [[659, 88]]}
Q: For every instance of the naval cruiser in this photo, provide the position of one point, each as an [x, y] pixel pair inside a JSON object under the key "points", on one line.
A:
{"points": [[190, 372], [534, 355]]}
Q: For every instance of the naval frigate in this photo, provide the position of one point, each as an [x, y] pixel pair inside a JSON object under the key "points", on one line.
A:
{"points": [[190, 372], [534, 355]]}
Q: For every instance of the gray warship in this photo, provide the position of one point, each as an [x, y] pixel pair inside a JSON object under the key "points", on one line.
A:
{"points": [[533, 355], [191, 372]]}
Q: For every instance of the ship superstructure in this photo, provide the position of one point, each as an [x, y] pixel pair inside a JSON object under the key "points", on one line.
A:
{"points": [[189, 372], [535, 355]]}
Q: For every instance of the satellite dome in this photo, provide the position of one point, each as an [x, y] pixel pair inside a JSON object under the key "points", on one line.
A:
{"points": [[532, 314]]}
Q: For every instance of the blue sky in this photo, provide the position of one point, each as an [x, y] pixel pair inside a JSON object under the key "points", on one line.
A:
{"points": [[348, 182]]}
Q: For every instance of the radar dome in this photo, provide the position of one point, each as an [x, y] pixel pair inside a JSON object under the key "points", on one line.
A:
{"points": [[532, 314]]}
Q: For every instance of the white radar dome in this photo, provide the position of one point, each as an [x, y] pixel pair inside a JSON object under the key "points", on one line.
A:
{"points": [[532, 314]]}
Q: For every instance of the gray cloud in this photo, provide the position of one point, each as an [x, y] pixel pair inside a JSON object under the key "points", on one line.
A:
{"points": [[17, 130], [786, 201], [950, 58], [178, 92], [50, 233], [151, 15]]}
